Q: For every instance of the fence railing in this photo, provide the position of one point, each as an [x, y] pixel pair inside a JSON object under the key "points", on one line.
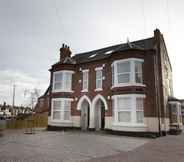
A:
{"points": [[35, 121]]}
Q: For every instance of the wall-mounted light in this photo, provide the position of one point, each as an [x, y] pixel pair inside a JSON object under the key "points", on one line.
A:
{"points": [[80, 81], [108, 97]]}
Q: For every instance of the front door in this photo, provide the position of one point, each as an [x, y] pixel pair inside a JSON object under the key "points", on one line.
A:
{"points": [[102, 116], [99, 116], [85, 117]]}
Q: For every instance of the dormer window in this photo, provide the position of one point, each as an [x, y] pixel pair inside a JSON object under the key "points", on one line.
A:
{"points": [[62, 81], [127, 72]]}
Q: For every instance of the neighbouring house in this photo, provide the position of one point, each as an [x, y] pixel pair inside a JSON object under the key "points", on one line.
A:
{"points": [[182, 109], [42, 106], [175, 114], [123, 88], [5, 111]]}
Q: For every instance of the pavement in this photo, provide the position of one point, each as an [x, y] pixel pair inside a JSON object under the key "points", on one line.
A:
{"points": [[45, 146]]}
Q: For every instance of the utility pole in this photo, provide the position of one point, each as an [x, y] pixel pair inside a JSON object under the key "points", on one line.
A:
{"points": [[13, 101]]}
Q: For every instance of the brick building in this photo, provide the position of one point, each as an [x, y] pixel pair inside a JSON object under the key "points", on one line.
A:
{"points": [[42, 105], [121, 88]]}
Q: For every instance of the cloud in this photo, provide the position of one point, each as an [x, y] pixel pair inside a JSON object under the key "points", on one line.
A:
{"points": [[23, 82]]}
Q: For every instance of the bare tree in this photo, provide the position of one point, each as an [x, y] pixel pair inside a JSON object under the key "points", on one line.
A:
{"points": [[32, 96]]}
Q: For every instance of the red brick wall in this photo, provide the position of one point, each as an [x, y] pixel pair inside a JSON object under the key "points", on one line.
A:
{"points": [[148, 79]]}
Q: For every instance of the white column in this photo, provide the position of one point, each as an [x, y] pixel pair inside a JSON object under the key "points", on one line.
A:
{"points": [[91, 118]]}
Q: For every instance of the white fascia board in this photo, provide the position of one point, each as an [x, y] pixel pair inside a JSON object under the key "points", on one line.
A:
{"points": [[64, 71], [129, 95], [129, 59]]}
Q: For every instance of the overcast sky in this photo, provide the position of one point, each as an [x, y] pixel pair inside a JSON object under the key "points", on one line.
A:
{"points": [[32, 31]]}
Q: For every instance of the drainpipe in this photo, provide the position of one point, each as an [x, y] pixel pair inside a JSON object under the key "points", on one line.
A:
{"points": [[157, 77], [157, 94]]}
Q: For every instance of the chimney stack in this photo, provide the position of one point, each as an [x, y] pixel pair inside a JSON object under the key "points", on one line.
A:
{"points": [[64, 52]]}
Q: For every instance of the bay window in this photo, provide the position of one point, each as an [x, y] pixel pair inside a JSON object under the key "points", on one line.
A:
{"points": [[62, 81], [61, 109], [127, 72], [128, 109]]}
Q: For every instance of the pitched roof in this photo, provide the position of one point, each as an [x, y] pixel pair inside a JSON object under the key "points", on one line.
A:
{"points": [[144, 44]]}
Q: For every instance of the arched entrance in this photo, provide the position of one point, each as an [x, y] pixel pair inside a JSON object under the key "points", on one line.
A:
{"points": [[99, 106], [99, 115], [84, 105]]}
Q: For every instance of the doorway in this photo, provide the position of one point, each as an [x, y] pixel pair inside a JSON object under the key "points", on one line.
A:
{"points": [[85, 115], [99, 115]]}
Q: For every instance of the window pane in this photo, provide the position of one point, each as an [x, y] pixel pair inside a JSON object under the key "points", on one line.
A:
{"points": [[140, 116], [123, 67], [99, 79], [58, 77], [67, 105], [98, 74], [138, 72], [138, 78], [57, 85], [66, 115], [112, 74], [98, 83], [139, 103], [124, 116], [68, 81], [85, 80], [56, 115], [123, 78], [124, 103], [138, 67], [57, 105]]}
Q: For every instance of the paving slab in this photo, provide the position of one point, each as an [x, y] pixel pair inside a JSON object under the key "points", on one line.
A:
{"points": [[46, 146]]}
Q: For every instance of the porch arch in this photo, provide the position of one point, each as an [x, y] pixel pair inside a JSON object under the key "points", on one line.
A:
{"points": [[81, 101], [92, 112], [97, 97]]}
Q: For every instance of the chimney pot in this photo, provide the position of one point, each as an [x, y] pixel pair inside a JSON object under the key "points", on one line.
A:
{"points": [[64, 52]]}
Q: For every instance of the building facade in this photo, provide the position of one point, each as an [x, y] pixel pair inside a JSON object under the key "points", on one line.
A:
{"points": [[42, 105], [121, 88]]}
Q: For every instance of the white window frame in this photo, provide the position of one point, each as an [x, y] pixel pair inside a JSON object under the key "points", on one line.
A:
{"points": [[87, 81], [63, 88], [61, 110], [133, 121], [132, 81], [99, 79]]}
